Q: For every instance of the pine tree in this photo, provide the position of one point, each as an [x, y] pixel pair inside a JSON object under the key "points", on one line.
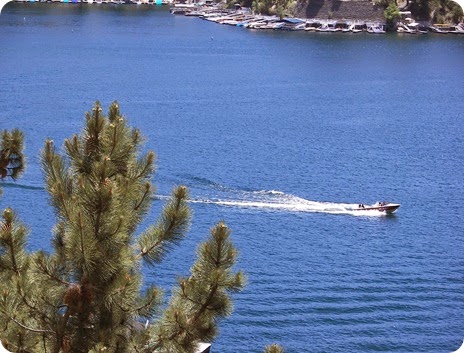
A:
{"points": [[12, 160], [274, 348], [88, 294]]}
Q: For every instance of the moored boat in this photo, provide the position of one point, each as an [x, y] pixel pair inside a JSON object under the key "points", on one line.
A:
{"points": [[376, 29], [457, 29], [407, 28], [356, 27], [438, 30], [327, 27]]}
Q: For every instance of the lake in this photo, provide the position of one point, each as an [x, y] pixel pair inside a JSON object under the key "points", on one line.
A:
{"points": [[275, 133]]}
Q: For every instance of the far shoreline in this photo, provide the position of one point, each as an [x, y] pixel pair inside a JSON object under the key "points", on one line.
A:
{"points": [[242, 17]]}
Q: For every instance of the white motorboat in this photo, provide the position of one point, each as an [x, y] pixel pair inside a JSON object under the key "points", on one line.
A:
{"points": [[327, 27], [382, 207], [356, 27], [458, 29], [438, 30], [375, 29], [405, 28]]}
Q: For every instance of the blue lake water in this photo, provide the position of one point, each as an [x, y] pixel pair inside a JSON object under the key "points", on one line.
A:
{"points": [[273, 132]]}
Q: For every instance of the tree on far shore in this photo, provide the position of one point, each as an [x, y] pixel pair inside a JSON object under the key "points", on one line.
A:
{"points": [[88, 295], [391, 14], [435, 11]]}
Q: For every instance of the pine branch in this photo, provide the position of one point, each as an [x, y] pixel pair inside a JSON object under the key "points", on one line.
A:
{"points": [[12, 238], [274, 348], [114, 140], [56, 182], [44, 266], [12, 160], [144, 196], [81, 236], [61, 330], [175, 220], [147, 165], [202, 298], [23, 326]]}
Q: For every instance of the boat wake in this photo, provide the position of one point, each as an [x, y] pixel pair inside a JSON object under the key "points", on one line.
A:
{"points": [[205, 191], [278, 201], [262, 200]]}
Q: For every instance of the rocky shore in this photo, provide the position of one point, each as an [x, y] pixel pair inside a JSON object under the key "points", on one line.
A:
{"points": [[371, 23]]}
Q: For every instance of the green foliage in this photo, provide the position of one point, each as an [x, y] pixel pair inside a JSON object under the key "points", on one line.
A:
{"points": [[438, 11], [391, 13], [202, 298], [447, 11], [12, 161], [274, 348], [88, 295], [383, 3], [273, 7], [422, 9]]}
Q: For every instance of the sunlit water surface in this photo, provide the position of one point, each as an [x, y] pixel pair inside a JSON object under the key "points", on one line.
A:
{"points": [[278, 134]]}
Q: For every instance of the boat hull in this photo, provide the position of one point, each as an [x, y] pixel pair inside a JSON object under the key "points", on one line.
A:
{"points": [[388, 208]]}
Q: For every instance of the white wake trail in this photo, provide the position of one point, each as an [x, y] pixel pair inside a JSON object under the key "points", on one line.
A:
{"points": [[279, 201]]}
